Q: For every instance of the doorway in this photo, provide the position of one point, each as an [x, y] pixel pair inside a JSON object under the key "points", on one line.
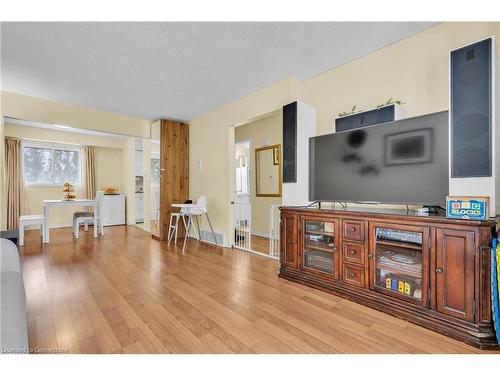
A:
{"points": [[242, 197], [155, 190], [257, 193]]}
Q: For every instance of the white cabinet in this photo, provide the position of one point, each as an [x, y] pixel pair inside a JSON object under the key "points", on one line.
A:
{"points": [[113, 209]]}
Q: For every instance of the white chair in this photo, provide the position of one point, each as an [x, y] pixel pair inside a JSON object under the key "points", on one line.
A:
{"points": [[172, 227], [25, 220], [84, 217], [199, 209]]}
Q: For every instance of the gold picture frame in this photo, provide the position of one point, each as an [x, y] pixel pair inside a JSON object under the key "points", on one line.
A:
{"points": [[276, 161]]}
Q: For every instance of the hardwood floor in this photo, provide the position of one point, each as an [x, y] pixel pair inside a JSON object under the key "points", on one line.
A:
{"points": [[260, 244], [128, 293]]}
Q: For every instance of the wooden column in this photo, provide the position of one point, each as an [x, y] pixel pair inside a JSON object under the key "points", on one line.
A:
{"points": [[174, 164]]}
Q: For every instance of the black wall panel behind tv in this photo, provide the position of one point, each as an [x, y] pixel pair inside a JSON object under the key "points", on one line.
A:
{"points": [[471, 110], [290, 142]]}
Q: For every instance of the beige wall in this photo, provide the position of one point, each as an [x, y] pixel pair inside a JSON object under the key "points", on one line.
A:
{"points": [[414, 70], [51, 112], [211, 139], [109, 167], [263, 132], [108, 171]]}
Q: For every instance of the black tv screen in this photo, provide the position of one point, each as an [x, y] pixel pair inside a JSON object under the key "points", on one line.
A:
{"points": [[403, 161]]}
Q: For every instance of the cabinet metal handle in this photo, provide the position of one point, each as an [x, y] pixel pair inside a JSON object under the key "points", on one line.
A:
{"points": [[294, 241], [353, 252], [439, 270], [353, 229], [370, 256], [353, 274]]}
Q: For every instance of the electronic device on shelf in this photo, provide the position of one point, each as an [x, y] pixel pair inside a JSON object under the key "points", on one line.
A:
{"points": [[393, 235], [313, 226]]}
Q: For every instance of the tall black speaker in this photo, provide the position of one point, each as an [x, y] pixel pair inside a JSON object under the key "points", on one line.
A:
{"points": [[471, 110], [290, 142]]}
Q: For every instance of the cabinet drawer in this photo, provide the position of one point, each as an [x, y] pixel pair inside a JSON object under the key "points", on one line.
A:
{"points": [[353, 274], [353, 252], [353, 230]]}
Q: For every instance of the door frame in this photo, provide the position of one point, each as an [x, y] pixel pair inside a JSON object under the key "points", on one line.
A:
{"points": [[249, 194], [232, 173]]}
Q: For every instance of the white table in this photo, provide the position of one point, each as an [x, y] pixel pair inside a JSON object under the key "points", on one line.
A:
{"points": [[183, 205], [48, 203]]}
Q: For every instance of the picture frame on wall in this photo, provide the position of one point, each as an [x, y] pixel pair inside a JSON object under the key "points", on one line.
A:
{"points": [[276, 156]]}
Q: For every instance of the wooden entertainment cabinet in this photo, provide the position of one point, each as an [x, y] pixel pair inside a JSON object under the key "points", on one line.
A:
{"points": [[429, 270]]}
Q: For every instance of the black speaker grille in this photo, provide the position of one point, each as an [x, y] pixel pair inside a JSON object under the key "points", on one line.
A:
{"points": [[360, 120], [290, 142], [471, 110]]}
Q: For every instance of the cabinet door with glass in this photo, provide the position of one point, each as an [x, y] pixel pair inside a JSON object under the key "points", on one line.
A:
{"points": [[399, 261], [320, 246]]}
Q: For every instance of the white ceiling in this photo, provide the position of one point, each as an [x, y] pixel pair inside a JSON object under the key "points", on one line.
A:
{"points": [[177, 70]]}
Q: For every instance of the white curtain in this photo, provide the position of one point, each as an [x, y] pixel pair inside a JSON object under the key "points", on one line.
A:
{"points": [[88, 163], [14, 191]]}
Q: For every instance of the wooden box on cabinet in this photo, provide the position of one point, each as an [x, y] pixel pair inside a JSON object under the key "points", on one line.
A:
{"points": [[442, 282]]}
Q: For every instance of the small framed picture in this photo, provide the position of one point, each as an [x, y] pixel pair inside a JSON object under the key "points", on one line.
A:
{"points": [[276, 156], [469, 207]]}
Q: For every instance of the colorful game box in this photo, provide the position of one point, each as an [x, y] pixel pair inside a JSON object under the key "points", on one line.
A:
{"points": [[477, 208]]}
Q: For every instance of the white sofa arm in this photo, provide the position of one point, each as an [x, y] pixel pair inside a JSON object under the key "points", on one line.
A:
{"points": [[13, 324]]}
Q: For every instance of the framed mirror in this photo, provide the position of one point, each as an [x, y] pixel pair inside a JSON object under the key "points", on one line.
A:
{"points": [[268, 171]]}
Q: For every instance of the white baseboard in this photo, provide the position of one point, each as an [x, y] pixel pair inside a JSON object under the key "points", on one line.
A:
{"points": [[206, 236]]}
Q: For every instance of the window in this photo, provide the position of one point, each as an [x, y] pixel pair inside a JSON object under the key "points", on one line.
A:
{"points": [[155, 172], [51, 164]]}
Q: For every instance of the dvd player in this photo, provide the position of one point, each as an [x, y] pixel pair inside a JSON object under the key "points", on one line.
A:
{"points": [[385, 234]]}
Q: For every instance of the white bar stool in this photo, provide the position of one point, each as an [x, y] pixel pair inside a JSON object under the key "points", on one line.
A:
{"points": [[199, 209], [25, 220], [172, 227]]}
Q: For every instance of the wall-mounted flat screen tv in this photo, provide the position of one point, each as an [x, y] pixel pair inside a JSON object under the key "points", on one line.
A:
{"points": [[403, 161]]}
